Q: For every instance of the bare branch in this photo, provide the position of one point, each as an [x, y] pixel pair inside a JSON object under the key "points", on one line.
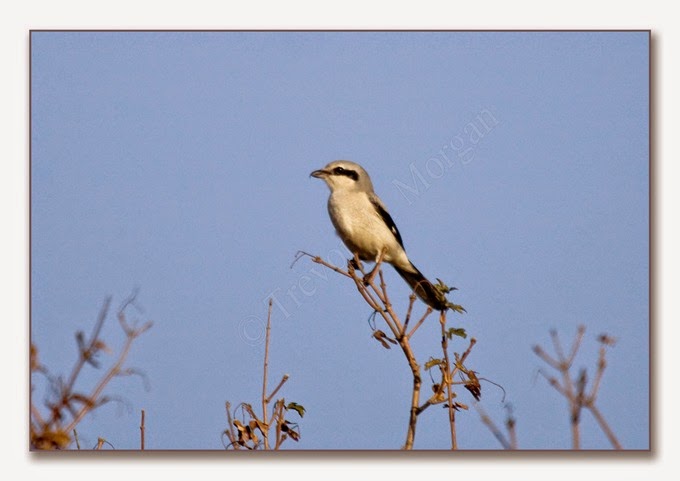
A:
{"points": [[428, 311], [538, 350], [268, 431], [488, 422], [575, 392], [557, 345], [86, 352], [510, 424], [377, 297], [53, 431], [605, 427], [265, 400], [142, 429], [411, 301], [601, 366], [75, 438], [97, 391], [447, 380], [581, 330], [278, 386]]}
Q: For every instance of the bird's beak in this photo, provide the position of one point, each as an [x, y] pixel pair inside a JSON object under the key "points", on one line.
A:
{"points": [[319, 174]]}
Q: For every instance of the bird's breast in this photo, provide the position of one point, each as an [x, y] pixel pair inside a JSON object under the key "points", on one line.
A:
{"points": [[360, 227]]}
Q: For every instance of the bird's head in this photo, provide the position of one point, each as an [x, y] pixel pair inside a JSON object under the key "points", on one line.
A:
{"points": [[344, 175]]}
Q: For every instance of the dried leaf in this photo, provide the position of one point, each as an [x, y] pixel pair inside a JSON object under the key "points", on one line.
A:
{"points": [[90, 354], [382, 337], [443, 288], [35, 364], [457, 406], [263, 427], [253, 435], [81, 398], [456, 331], [439, 395], [432, 362], [51, 440], [289, 429], [456, 307], [606, 339], [298, 408], [100, 345], [254, 424], [473, 385], [243, 432]]}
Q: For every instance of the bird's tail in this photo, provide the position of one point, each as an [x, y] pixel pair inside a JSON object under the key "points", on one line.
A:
{"points": [[423, 288]]}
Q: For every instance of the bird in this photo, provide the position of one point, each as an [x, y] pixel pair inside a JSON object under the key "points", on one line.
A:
{"points": [[365, 226]]}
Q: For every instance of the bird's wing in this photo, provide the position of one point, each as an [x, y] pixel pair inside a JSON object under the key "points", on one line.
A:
{"points": [[385, 216]]}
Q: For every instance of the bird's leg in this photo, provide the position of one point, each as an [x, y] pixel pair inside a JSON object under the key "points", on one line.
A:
{"points": [[368, 278], [355, 262]]}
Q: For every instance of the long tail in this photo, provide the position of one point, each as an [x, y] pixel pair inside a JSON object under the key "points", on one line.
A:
{"points": [[423, 288]]}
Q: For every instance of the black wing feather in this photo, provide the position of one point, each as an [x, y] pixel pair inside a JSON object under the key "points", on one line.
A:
{"points": [[387, 218]]}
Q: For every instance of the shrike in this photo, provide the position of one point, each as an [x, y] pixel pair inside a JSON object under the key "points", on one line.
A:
{"points": [[367, 229]]}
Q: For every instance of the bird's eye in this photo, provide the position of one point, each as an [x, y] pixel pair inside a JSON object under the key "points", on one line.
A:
{"points": [[338, 170]]}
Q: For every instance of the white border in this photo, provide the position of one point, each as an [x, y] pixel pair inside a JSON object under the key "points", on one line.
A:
{"points": [[20, 17]]}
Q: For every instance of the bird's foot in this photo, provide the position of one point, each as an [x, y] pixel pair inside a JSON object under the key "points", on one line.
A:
{"points": [[355, 264], [368, 278]]}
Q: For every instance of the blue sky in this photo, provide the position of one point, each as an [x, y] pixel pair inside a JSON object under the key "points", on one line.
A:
{"points": [[178, 163]]}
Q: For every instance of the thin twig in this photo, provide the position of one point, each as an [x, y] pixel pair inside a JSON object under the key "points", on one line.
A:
{"points": [[391, 320], [141, 431], [576, 402], [368, 279], [575, 392], [264, 375], [319, 260], [75, 438], [510, 425], [278, 386], [230, 423], [112, 372], [488, 422], [554, 383], [278, 414], [415, 392], [601, 366], [447, 379], [557, 345], [398, 329], [461, 360], [568, 387], [605, 427], [428, 311], [383, 286], [35, 415], [87, 352], [436, 397], [411, 301], [576, 344], [538, 350], [361, 287], [378, 299]]}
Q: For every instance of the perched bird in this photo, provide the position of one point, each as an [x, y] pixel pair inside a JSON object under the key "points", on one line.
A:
{"points": [[367, 229]]}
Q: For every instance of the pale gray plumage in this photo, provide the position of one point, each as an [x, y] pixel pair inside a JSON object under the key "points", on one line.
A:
{"points": [[364, 225]]}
